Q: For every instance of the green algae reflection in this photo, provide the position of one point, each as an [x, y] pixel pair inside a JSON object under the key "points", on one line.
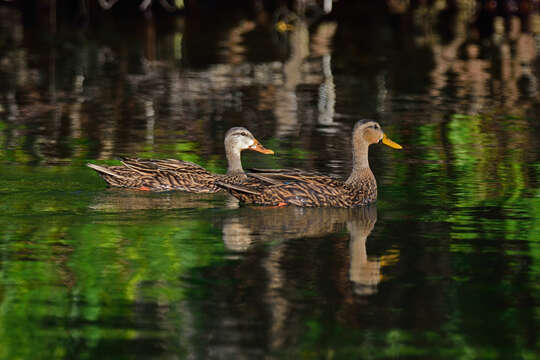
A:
{"points": [[72, 276]]}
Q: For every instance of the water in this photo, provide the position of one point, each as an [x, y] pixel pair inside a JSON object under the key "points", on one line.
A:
{"points": [[446, 265]]}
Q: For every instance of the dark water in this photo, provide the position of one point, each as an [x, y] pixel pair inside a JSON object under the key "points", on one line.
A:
{"points": [[445, 266]]}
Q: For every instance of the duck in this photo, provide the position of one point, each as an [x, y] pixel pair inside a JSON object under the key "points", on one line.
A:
{"points": [[173, 174], [311, 189]]}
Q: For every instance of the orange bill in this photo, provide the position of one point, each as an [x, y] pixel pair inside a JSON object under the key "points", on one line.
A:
{"points": [[387, 141], [257, 146]]}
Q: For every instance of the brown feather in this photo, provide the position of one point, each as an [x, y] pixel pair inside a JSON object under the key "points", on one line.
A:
{"points": [[309, 189], [172, 174], [159, 175]]}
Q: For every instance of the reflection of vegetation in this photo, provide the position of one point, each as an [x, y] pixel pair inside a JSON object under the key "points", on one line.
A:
{"points": [[76, 277], [483, 157], [460, 205], [68, 273], [477, 212]]}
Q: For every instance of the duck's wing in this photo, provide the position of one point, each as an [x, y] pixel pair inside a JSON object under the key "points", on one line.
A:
{"points": [[239, 190], [159, 175], [281, 176], [148, 166], [317, 191], [313, 191], [273, 171], [120, 176], [261, 179]]}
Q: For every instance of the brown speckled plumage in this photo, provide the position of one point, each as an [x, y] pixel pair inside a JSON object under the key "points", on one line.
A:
{"points": [[314, 190], [172, 174]]}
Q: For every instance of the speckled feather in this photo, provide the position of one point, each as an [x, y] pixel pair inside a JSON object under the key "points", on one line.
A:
{"points": [[172, 174], [166, 175], [159, 175], [296, 187], [306, 190]]}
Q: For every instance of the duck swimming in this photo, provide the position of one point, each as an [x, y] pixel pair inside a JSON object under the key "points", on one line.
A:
{"points": [[280, 188], [172, 174]]}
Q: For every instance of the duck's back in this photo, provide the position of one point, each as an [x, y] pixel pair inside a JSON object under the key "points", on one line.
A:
{"points": [[159, 175], [308, 190]]}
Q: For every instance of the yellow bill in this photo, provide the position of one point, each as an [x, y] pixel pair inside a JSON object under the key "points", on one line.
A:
{"points": [[387, 141], [282, 26]]}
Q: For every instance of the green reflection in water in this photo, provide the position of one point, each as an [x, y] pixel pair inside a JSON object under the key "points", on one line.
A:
{"points": [[87, 270], [475, 210], [72, 277]]}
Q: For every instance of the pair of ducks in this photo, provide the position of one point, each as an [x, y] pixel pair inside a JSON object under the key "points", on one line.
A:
{"points": [[277, 187]]}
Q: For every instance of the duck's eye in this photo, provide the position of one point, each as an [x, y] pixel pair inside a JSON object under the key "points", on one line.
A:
{"points": [[243, 133]]}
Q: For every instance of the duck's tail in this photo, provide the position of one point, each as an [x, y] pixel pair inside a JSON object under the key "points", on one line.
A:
{"points": [[103, 170]]}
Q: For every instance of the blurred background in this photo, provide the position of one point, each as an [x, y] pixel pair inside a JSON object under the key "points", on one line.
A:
{"points": [[446, 266], [95, 79]]}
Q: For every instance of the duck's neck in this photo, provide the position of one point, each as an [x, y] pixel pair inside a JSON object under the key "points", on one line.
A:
{"points": [[360, 170], [234, 163]]}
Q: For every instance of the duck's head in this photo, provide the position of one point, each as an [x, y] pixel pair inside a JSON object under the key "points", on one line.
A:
{"points": [[238, 139], [370, 132]]}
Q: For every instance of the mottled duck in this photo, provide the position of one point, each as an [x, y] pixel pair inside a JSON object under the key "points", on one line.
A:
{"points": [[172, 174], [304, 189]]}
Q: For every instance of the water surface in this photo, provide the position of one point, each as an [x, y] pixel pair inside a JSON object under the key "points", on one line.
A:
{"points": [[446, 265]]}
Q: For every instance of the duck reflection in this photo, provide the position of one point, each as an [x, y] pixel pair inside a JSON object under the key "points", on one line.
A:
{"points": [[280, 264], [244, 229], [129, 200], [364, 273], [252, 225], [285, 258]]}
